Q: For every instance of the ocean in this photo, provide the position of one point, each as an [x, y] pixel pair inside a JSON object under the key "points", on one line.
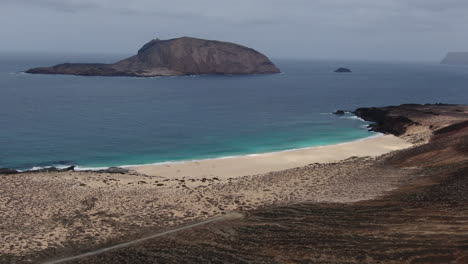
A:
{"points": [[54, 120]]}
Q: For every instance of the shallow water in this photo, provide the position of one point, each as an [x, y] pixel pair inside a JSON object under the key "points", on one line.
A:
{"points": [[106, 121]]}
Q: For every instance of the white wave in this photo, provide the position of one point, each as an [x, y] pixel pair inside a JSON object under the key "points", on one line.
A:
{"points": [[36, 168], [354, 117], [79, 168], [17, 73]]}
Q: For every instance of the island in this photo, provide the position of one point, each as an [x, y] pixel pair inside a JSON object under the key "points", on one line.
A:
{"points": [[175, 57], [342, 70], [456, 58]]}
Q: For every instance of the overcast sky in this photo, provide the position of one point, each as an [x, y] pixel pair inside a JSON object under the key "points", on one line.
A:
{"points": [[409, 30]]}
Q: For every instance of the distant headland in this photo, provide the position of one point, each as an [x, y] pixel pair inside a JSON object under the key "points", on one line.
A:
{"points": [[456, 58], [175, 57]]}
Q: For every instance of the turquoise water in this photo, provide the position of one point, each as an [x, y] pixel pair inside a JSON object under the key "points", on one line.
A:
{"points": [[109, 121], [246, 142]]}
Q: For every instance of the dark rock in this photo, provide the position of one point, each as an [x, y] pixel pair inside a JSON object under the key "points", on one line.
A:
{"points": [[339, 112], [396, 119], [180, 56], [115, 170], [71, 168], [48, 169], [53, 169], [8, 171], [340, 70], [383, 121]]}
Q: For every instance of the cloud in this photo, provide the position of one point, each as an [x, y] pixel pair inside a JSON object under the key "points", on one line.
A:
{"points": [[62, 6], [351, 13], [283, 27]]}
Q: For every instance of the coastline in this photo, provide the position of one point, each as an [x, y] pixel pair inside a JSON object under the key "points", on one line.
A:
{"points": [[252, 164], [82, 211], [83, 168]]}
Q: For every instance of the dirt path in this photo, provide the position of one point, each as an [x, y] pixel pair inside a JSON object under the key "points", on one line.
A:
{"points": [[229, 216]]}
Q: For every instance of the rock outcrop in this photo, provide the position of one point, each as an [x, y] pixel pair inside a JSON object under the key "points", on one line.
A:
{"points": [[384, 121], [180, 56], [8, 171], [456, 58], [339, 112], [415, 122]]}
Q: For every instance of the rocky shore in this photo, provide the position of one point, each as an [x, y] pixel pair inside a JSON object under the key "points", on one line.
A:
{"points": [[413, 122], [407, 206], [175, 57]]}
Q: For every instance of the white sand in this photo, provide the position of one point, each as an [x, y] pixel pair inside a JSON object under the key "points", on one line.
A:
{"points": [[262, 163]]}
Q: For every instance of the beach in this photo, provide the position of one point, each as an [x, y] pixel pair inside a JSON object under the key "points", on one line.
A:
{"points": [[224, 168]]}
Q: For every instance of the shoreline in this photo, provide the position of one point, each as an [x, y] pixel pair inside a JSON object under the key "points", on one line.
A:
{"points": [[236, 156], [227, 167], [84, 168]]}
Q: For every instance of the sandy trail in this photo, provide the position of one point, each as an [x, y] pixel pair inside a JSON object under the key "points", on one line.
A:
{"points": [[229, 216]]}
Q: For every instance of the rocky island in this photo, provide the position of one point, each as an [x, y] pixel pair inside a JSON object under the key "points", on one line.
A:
{"points": [[175, 57], [343, 70]]}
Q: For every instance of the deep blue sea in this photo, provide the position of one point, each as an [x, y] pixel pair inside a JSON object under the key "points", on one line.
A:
{"points": [[107, 121]]}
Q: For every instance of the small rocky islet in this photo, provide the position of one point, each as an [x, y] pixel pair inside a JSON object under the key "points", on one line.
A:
{"points": [[343, 70], [175, 57]]}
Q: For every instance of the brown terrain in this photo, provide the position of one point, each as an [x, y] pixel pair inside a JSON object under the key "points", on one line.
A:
{"points": [[408, 206], [180, 56]]}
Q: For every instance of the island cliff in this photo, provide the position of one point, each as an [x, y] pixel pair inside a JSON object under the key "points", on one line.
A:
{"points": [[173, 57]]}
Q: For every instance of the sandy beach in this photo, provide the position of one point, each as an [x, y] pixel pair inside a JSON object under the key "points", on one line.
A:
{"points": [[225, 168]]}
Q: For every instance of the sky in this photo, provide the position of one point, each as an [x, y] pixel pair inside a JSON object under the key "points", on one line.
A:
{"points": [[392, 30]]}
